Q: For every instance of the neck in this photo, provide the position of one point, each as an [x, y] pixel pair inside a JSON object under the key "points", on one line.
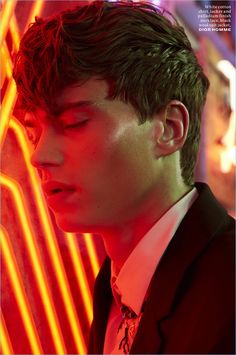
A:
{"points": [[121, 240]]}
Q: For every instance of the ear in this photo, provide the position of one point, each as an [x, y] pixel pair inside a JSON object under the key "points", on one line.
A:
{"points": [[171, 128]]}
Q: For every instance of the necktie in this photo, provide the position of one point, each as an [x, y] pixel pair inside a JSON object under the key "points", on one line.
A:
{"points": [[128, 327]]}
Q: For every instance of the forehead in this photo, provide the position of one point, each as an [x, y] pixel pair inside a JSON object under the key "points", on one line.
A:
{"points": [[93, 91]]}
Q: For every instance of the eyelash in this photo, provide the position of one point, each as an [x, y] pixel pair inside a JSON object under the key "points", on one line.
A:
{"points": [[75, 125], [34, 139], [31, 137]]}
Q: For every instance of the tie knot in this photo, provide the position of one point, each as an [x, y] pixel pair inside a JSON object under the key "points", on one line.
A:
{"points": [[127, 313]]}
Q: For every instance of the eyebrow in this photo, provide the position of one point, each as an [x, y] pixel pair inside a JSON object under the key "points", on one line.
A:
{"points": [[71, 105], [58, 111]]}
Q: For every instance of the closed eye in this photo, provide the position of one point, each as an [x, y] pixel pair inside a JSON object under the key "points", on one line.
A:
{"points": [[76, 124], [30, 132]]}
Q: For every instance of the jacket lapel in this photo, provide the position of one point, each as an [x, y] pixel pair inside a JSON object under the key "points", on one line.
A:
{"points": [[191, 238], [103, 298]]}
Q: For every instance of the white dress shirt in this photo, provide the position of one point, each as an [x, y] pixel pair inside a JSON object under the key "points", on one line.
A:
{"points": [[131, 284]]}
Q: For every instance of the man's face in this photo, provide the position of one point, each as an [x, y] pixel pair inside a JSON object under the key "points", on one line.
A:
{"points": [[95, 160]]}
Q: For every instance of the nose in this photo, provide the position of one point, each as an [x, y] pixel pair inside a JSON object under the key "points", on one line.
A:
{"points": [[48, 151]]}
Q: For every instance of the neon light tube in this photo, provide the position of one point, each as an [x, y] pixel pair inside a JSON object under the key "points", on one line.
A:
{"points": [[20, 296], [92, 253], [51, 242], [22, 212], [5, 341], [80, 274]]}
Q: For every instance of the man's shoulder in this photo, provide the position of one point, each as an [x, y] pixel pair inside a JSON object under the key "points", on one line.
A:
{"points": [[208, 212], [210, 222], [213, 233]]}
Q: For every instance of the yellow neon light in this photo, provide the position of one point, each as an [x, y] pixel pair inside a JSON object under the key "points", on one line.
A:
{"points": [[92, 253], [10, 95], [51, 241], [5, 342], [7, 106], [80, 274], [36, 9], [3, 69], [6, 60], [10, 98], [7, 11], [20, 203], [21, 299], [14, 32]]}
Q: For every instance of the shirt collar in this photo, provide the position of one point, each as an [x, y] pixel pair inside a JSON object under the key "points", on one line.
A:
{"points": [[132, 282]]}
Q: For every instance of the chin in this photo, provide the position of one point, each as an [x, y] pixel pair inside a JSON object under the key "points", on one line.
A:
{"points": [[70, 226]]}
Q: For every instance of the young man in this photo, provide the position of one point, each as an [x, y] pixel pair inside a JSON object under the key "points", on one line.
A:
{"points": [[113, 96]]}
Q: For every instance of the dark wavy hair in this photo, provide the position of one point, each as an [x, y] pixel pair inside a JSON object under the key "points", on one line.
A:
{"points": [[140, 49]]}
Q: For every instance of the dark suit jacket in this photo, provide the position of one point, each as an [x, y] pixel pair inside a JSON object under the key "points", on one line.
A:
{"points": [[190, 309]]}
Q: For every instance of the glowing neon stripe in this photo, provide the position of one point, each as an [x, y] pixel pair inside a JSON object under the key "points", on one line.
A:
{"points": [[6, 68], [51, 241], [92, 253], [20, 296], [6, 60], [14, 32], [5, 341], [36, 9], [7, 11], [3, 68], [22, 212], [80, 274], [7, 106], [10, 95]]}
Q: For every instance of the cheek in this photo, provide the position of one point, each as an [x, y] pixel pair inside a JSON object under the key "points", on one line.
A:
{"points": [[132, 166], [118, 160], [88, 159], [122, 166]]}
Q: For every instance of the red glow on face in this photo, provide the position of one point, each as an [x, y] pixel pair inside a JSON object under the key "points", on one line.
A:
{"points": [[50, 313], [88, 152]]}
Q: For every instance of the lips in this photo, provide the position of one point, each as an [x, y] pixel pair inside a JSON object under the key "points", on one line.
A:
{"points": [[60, 196], [54, 187]]}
